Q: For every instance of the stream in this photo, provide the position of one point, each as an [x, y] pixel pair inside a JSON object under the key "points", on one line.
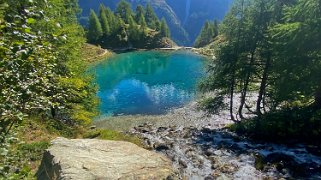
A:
{"points": [[212, 153]]}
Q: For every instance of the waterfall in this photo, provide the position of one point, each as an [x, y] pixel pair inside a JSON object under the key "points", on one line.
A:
{"points": [[187, 10]]}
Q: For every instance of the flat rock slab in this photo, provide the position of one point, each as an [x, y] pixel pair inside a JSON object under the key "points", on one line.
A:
{"points": [[86, 159]]}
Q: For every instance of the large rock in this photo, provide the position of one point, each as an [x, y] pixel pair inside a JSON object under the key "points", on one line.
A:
{"points": [[86, 159]]}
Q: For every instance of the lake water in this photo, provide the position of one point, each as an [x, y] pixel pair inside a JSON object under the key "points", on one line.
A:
{"points": [[147, 82]]}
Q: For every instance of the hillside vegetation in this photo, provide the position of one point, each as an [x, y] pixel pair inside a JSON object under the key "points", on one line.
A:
{"points": [[185, 18], [44, 90], [124, 29]]}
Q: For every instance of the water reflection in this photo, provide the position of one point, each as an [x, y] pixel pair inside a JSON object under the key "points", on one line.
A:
{"points": [[147, 82]]}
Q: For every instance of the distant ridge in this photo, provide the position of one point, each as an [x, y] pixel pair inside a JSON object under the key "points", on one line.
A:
{"points": [[184, 17]]}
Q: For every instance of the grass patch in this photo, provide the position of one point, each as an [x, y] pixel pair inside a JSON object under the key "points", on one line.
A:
{"points": [[299, 124], [34, 150], [105, 134], [92, 53], [21, 154]]}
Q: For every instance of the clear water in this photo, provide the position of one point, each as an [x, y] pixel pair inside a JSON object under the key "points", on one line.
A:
{"points": [[147, 82]]}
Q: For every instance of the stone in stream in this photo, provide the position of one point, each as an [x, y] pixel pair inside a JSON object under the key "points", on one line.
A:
{"points": [[86, 159], [162, 146]]}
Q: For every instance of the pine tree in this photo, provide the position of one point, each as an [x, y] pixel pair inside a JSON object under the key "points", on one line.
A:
{"points": [[122, 31], [104, 21], [95, 30], [139, 13], [164, 30], [113, 26], [133, 30], [206, 35], [150, 17], [215, 26], [123, 10], [142, 23]]}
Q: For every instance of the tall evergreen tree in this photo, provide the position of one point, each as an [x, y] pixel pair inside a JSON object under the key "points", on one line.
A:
{"points": [[112, 21], [139, 13], [95, 30], [123, 10], [142, 23], [207, 34], [164, 30], [150, 17], [133, 30], [104, 20]]}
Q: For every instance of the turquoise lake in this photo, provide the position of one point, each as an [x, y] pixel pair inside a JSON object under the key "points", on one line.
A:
{"points": [[147, 82]]}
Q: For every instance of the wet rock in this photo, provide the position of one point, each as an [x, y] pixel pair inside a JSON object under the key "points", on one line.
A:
{"points": [[162, 129], [209, 178], [207, 130], [142, 129], [209, 152], [247, 172], [218, 153], [161, 146], [259, 162], [182, 163]]}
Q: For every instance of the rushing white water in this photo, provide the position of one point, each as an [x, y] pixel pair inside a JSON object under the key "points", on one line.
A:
{"points": [[209, 153]]}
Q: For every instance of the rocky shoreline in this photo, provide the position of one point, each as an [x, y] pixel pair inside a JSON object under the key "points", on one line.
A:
{"points": [[201, 147]]}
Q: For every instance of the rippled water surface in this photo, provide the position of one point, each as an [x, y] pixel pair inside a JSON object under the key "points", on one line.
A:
{"points": [[147, 82]]}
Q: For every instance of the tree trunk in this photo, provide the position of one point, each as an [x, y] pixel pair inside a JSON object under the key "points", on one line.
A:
{"points": [[245, 88], [53, 112], [232, 97], [263, 85], [317, 98]]}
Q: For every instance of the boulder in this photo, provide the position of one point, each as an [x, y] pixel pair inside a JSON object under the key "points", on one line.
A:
{"points": [[86, 159]]}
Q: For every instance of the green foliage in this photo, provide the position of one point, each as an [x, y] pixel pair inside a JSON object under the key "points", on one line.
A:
{"points": [[42, 72], [39, 52], [123, 10], [140, 12], [113, 135], [207, 34], [15, 157], [126, 29], [297, 124], [164, 30], [104, 21], [33, 151], [150, 17], [95, 31], [269, 44]]}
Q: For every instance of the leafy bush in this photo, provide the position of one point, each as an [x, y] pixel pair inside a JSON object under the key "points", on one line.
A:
{"points": [[14, 163]]}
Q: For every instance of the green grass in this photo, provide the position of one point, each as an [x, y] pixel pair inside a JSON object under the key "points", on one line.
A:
{"points": [[105, 134], [33, 150], [92, 53]]}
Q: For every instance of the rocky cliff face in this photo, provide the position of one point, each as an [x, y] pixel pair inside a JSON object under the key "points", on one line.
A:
{"points": [[86, 159], [184, 17]]}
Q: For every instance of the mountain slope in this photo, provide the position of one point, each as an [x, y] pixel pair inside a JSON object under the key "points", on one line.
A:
{"points": [[185, 18]]}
